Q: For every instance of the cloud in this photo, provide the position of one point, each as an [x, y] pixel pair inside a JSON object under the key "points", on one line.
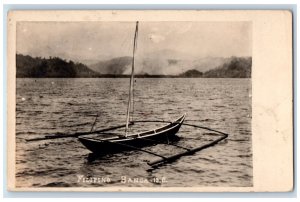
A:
{"points": [[72, 40], [156, 38]]}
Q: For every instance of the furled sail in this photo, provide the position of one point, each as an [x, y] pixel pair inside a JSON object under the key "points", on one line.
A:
{"points": [[130, 104]]}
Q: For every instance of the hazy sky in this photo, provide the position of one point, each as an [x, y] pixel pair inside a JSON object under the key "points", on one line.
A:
{"points": [[102, 40]]}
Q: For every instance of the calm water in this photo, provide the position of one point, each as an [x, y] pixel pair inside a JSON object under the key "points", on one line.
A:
{"points": [[46, 106]]}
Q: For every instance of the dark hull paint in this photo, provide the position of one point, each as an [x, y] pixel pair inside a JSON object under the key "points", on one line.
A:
{"points": [[164, 134]]}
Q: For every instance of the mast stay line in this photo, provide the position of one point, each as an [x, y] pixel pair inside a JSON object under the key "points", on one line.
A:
{"points": [[131, 80]]}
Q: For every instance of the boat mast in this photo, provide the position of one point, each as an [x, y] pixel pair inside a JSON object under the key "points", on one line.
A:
{"points": [[131, 79]]}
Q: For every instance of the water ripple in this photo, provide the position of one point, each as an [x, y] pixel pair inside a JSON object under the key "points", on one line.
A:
{"points": [[72, 104]]}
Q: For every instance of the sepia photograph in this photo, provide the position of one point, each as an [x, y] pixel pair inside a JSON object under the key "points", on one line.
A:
{"points": [[133, 103]]}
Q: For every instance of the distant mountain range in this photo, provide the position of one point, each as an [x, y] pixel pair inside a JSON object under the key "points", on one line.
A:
{"points": [[113, 66], [51, 68], [233, 67], [152, 64]]}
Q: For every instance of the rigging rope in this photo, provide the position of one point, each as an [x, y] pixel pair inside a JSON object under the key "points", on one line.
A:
{"points": [[124, 46]]}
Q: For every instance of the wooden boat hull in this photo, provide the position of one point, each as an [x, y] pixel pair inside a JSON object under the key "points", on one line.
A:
{"points": [[119, 144]]}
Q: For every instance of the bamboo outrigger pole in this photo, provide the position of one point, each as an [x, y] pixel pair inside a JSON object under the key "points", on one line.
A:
{"points": [[188, 152], [131, 79], [47, 137]]}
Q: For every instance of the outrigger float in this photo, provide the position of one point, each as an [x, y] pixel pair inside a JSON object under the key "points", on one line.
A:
{"points": [[116, 143]]}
